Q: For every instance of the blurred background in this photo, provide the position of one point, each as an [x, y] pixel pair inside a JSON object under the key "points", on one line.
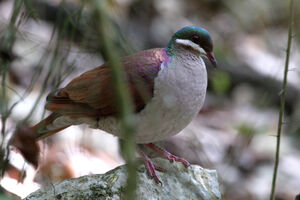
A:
{"points": [[46, 43]]}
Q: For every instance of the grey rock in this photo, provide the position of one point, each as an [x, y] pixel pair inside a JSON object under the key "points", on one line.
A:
{"points": [[179, 182]]}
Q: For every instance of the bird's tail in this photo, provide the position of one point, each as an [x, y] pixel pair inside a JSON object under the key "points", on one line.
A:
{"points": [[25, 138], [42, 129]]}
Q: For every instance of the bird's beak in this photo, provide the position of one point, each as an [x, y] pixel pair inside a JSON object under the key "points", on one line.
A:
{"points": [[211, 58]]}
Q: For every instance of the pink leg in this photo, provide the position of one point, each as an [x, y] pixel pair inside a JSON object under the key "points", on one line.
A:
{"points": [[151, 167], [164, 153]]}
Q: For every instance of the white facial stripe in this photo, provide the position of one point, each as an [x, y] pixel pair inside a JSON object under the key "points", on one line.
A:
{"points": [[191, 44]]}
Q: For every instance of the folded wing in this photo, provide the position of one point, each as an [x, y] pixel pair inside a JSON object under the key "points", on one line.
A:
{"points": [[92, 93]]}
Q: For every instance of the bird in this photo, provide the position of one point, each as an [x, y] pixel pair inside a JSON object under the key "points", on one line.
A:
{"points": [[167, 85]]}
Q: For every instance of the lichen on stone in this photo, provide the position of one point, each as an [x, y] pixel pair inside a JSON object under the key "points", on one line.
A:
{"points": [[178, 181]]}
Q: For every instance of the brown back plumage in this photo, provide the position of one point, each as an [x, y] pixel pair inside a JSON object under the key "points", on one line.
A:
{"points": [[91, 94]]}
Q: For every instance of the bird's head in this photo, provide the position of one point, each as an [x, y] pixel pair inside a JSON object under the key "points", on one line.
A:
{"points": [[195, 39]]}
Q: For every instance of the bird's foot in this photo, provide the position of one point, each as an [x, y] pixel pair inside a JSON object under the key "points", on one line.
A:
{"points": [[164, 153], [151, 167]]}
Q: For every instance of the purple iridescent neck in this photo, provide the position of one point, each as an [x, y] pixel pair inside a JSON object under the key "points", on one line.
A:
{"points": [[167, 57]]}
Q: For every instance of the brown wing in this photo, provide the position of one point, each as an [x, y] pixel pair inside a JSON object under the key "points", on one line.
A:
{"points": [[92, 94]]}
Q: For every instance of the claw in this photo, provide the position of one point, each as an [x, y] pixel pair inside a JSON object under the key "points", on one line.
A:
{"points": [[164, 153], [151, 167]]}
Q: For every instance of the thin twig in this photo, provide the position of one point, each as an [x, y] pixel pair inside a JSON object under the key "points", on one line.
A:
{"points": [[282, 101], [7, 42], [123, 100]]}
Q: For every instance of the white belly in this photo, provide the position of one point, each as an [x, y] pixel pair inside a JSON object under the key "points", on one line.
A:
{"points": [[179, 93]]}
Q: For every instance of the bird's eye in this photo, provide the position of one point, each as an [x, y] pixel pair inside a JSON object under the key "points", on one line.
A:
{"points": [[196, 39]]}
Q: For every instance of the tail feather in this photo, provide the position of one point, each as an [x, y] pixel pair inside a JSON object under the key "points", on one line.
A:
{"points": [[25, 138], [41, 129]]}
